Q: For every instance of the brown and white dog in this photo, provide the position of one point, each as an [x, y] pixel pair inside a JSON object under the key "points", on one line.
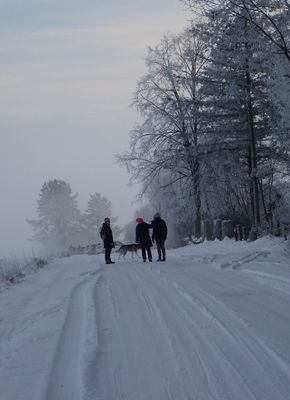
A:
{"points": [[131, 248]]}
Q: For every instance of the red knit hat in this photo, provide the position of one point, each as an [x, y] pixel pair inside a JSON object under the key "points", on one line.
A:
{"points": [[139, 220]]}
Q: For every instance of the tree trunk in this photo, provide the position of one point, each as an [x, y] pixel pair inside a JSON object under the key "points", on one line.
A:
{"points": [[197, 199], [194, 166], [252, 138]]}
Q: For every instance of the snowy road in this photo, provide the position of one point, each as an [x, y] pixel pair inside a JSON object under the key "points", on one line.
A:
{"points": [[212, 323]]}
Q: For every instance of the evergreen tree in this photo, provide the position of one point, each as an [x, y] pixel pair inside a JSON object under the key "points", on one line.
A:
{"points": [[57, 225], [269, 18], [98, 208], [245, 121]]}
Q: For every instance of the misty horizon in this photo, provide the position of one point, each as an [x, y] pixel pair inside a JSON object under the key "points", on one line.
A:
{"points": [[68, 73]]}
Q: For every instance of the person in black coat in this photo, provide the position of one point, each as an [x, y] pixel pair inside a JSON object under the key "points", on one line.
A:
{"points": [[143, 237], [159, 235], [107, 236]]}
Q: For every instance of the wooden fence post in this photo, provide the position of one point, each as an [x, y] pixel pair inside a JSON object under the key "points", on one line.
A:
{"points": [[217, 229], [206, 229], [227, 228]]}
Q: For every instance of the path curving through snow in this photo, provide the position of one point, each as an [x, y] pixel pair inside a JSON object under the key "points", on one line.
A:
{"points": [[209, 324]]}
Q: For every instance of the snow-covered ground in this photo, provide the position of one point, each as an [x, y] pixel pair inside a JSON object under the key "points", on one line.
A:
{"points": [[212, 323]]}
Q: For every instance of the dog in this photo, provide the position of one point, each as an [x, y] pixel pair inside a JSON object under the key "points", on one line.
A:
{"points": [[131, 248]]}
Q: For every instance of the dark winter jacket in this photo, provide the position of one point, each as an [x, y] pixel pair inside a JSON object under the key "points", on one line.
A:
{"points": [[142, 234], [107, 236], [159, 229]]}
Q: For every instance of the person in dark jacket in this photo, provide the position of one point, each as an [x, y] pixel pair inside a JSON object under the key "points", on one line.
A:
{"points": [[143, 237], [107, 236], [159, 235]]}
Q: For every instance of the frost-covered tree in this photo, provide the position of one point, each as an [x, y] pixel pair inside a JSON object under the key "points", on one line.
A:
{"points": [[174, 202], [244, 120], [214, 137], [98, 208], [280, 91], [167, 97], [57, 226], [269, 18]]}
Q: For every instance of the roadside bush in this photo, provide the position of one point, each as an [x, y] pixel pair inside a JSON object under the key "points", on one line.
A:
{"points": [[13, 270]]}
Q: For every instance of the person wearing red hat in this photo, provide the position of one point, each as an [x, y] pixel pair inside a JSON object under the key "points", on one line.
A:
{"points": [[143, 237]]}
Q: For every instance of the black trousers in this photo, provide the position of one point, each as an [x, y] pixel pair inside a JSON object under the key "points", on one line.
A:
{"points": [[108, 253], [161, 249], [145, 249]]}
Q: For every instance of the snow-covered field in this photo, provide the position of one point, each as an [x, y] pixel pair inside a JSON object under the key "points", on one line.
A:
{"points": [[212, 323]]}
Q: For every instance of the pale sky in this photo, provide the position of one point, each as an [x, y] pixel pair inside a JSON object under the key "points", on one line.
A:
{"points": [[68, 69]]}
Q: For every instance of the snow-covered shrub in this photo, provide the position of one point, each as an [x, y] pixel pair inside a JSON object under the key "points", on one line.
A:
{"points": [[13, 270]]}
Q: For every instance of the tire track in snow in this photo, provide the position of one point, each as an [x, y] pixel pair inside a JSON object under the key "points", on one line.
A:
{"points": [[183, 347], [235, 263], [174, 378], [256, 342], [204, 369], [273, 281], [259, 354], [244, 346], [165, 338], [240, 333], [66, 378], [245, 259], [132, 360], [102, 299]]}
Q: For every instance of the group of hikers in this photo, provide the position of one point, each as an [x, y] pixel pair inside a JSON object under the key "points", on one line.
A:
{"points": [[159, 235]]}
